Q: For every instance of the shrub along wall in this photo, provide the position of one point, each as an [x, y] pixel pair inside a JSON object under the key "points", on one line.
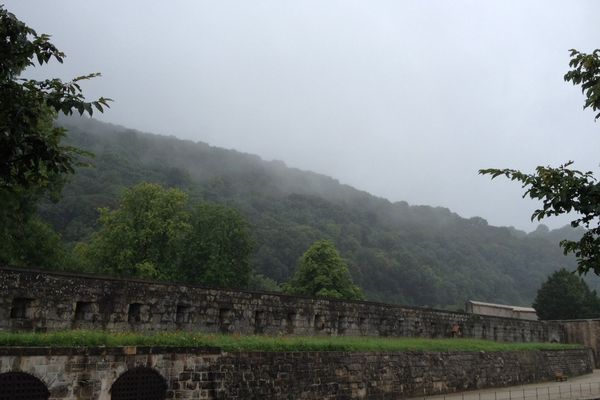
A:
{"points": [[159, 373]]}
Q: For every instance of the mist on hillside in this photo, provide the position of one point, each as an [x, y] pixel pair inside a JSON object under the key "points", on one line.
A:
{"points": [[419, 255], [404, 100]]}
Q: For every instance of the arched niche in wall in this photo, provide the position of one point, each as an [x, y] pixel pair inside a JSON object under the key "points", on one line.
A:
{"points": [[140, 383], [22, 386]]}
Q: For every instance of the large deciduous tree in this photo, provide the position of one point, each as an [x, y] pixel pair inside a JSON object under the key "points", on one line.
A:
{"points": [[32, 159], [566, 296], [153, 234], [217, 249], [322, 272], [143, 237], [565, 190]]}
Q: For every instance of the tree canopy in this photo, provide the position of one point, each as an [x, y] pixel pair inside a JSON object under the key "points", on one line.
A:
{"points": [[30, 150], [153, 234], [414, 255], [33, 161], [143, 237], [586, 72], [566, 296], [564, 190], [322, 272], [218, 247]]}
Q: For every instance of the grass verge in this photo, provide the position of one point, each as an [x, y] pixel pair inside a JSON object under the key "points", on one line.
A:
{"points": [[263, 343]]}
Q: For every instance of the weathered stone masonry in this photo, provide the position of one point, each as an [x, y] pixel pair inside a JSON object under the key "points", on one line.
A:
{"points": [[42, 301], [583, 331], [90, 373]]}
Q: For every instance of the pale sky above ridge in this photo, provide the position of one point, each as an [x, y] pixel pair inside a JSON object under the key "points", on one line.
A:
{"points": [[404, 99]]}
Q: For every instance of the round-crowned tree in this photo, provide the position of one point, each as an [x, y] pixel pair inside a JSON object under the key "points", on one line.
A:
{"points": [[154, 234], [566, 296], [218, 247], [143, 237], [322, 272]]}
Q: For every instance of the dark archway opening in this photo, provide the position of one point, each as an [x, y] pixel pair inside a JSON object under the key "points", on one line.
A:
{"points": [[22, 386], [140, 383]]}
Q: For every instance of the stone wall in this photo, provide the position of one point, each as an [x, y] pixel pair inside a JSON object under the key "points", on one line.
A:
{"points": [[583, 331], [42, 301], [86, 374]]}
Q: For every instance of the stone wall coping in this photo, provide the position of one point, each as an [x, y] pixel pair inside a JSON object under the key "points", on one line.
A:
{"points": [[88, 276], [147, 350], [581, 320], [103, 350]]}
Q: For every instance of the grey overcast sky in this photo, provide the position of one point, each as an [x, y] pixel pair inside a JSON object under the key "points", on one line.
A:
{"points": [[404, 99]]}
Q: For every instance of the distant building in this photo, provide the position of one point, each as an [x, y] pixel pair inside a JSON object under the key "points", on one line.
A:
{"points": [[500, 310]]}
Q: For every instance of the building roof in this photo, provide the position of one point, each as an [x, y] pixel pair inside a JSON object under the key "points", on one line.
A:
{"points": [[505, 306]]}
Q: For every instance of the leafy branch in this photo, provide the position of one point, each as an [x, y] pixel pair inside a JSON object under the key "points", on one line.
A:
{"points": [[563, 190]]}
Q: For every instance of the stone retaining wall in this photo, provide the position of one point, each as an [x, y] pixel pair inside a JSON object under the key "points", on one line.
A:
{"points": [[89, 374], [42, 301], [582, 331]]}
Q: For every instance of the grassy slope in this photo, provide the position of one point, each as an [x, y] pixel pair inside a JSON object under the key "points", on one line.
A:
{"points": [[264, 343]]}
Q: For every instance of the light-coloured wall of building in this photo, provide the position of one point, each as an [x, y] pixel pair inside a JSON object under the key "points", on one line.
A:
{"points": [[501, 310]]}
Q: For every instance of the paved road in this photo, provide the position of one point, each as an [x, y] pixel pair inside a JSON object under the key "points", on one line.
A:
{"points": [[581, 387]]}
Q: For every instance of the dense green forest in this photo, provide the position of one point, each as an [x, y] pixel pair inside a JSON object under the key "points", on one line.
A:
{"points": [[416, 255]]}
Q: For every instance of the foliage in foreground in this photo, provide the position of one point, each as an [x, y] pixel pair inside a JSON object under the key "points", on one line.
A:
{"points": [[33, 159], [29, 145], [265, 343], [564, 190]]}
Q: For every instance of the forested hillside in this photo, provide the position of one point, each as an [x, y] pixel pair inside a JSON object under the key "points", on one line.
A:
{"points": [[399, 253]]}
